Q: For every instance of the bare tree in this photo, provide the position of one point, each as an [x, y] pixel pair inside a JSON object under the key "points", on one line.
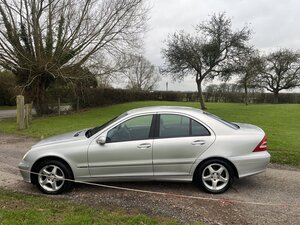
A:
{"points": [[107, 69], [249, 67], [41, 40], [282, 71], [210, 53], [141, 74]]}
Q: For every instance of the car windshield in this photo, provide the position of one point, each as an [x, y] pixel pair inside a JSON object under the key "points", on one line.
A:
{"points": [[230, 124], [89, 133]]}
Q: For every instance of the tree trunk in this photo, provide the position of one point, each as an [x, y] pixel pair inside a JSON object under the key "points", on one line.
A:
{"points": [[246, 95], [276, 95], [202, 102], [38, 92]]}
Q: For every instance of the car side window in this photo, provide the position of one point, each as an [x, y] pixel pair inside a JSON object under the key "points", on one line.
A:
{"points": [[180, 126], [173, 126], [137, 128], [198, 129]]}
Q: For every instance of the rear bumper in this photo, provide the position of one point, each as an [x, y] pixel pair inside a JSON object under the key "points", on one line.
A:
{"points": [[251, 164], [25, 170]]}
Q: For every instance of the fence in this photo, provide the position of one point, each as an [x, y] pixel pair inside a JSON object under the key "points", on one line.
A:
{"points": [[24, 113]]}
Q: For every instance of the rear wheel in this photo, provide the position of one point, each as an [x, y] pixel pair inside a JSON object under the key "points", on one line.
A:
{"points": [[51, 177], [214, 176]]}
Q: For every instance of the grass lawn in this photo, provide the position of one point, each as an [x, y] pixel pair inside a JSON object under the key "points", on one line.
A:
{"points": [[27, 209], [280, 122]]}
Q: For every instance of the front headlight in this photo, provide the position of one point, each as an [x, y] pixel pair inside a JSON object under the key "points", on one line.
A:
{"points": [[26, 154]]}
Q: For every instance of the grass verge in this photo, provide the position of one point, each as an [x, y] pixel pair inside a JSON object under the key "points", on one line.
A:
{"points": [[280, 122], [16, 208]]}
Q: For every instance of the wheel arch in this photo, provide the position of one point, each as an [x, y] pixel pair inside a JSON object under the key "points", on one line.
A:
{"points": [[235, 171], [37, 162]]}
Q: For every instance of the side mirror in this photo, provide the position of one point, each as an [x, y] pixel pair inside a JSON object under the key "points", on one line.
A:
{"points": [[101, 140]]}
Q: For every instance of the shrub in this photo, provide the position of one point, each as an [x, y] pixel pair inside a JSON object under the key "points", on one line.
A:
{"points": [[8, 88]]}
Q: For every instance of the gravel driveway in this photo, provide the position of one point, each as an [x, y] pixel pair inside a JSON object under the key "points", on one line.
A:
{"points": [[279, 184]]}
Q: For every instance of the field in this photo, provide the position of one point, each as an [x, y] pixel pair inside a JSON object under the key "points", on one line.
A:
{"points": [[280, 122]]}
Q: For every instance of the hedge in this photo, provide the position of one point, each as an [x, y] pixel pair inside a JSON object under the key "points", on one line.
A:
{"points": [[93, 97]]}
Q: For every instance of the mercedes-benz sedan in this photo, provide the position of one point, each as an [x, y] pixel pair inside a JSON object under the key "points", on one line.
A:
{"points": [[152, 143]]}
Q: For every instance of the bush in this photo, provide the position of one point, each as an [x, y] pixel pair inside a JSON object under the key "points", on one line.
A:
{"points": [[94, 97], [106, 96], [255, 97], [8, 89]]}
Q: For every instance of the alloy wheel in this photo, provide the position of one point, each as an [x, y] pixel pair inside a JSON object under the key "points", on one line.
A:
{"points": [[215, 176], [51, 178]]}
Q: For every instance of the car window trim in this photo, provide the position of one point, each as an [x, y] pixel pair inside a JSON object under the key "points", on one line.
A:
{"points": [[153, 128]]}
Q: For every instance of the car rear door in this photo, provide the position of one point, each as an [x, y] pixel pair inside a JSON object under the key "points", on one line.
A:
{"points": [[179, 141]]}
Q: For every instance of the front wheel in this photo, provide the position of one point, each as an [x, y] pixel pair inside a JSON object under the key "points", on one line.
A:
{"points": [[51, 177], [214, 176]]}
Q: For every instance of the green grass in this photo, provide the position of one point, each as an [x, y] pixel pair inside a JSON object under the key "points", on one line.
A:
{"points": [[280, 122], [16, 208]]}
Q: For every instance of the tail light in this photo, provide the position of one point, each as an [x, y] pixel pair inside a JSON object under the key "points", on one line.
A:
{"points": [[262, 146]]}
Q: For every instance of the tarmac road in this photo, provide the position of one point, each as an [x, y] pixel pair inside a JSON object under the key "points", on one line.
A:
{"points": [[279, 184], [8, 113], [11, 113]]}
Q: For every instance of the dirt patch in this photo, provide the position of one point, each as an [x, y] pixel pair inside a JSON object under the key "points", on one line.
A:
{"points": [[13, 205]]}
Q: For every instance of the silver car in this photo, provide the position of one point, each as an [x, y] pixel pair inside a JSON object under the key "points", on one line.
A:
{"points": [[152, 143]]}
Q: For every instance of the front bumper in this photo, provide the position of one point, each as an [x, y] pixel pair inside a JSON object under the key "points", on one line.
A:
{"points": [[251, 164], [25, 170]]}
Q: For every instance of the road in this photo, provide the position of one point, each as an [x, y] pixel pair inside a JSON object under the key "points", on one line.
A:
{"points": [[11, 113], [279, 184], [8, 113]]}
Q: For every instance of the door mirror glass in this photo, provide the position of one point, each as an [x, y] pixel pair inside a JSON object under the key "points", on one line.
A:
{"points": [[101, 140]]}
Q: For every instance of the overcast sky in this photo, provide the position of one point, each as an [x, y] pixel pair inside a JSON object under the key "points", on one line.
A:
{"points": [[275, 24]]}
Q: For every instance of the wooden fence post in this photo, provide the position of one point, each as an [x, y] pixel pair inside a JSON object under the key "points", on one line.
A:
{"points": [[27, 115], [20, 112], [59, 106], [30, 112], [77, 108]]}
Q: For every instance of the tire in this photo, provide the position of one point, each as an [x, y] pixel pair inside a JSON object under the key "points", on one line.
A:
{"points": [[214, 176], [51, 177]]}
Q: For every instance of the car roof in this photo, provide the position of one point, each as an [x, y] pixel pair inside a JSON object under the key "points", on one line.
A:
{"points": [[199, 114], [150, 109]]}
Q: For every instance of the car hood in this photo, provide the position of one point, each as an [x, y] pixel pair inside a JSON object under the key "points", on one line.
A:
{"points": [[63, 138]]}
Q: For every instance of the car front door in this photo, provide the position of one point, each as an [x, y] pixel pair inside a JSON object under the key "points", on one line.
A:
{"points": [[180, 141], [127, 151]]}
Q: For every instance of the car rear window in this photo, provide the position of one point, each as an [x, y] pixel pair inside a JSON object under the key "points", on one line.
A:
{"points": [[227, 123]]}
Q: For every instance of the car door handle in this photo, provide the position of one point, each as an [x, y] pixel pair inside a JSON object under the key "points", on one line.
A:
{"points": [[144, 146], [198, 142]]}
